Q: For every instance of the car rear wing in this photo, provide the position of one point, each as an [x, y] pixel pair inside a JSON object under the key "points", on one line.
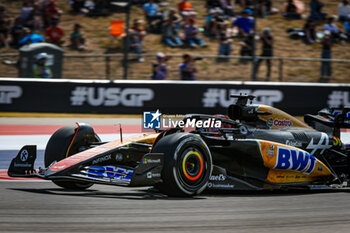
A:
{"points": [[243, 111], [330, 120]]}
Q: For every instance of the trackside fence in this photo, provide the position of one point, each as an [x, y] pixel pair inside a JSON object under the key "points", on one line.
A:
{"points": [[210, 68]]}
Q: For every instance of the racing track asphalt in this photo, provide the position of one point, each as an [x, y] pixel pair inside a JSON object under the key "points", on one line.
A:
{"points": [[43, 207]]}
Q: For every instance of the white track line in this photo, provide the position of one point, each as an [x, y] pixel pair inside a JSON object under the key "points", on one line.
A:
{"points": [[15, 142]]}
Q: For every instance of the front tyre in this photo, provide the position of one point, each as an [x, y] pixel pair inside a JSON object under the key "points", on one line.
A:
{"points": [[65, 142], [187, 164]]}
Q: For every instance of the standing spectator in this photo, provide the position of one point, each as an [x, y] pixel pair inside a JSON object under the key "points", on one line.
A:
{"points": [[227, 6], [54, 34], [225, 46], [77, 38], [267, 51], [326, 69], [34, 19], [4, 27], [151, 11], [160, 68], [30, 38], [246, 48], [344, 11], [41, 69], [332, 28], [316, 10], [51, 13], [25, 12], [138, 28], [310, 31], [16, 33], [187, 68], [170, 33], [191, 34], [244, 23], [135, 45]]}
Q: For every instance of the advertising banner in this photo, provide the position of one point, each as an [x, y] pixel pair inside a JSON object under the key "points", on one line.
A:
{"points": [[171, 97]]}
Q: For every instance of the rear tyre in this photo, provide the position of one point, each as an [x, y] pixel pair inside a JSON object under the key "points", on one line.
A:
{"points": [[187, 164], [58, 145]]}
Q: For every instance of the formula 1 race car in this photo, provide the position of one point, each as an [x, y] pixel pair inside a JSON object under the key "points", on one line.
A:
{"points": [[256, 147]]}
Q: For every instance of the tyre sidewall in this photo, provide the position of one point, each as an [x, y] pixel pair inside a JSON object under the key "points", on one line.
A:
{"points": [[181, 147], [58, 144], [56, 150], [173, 147]]}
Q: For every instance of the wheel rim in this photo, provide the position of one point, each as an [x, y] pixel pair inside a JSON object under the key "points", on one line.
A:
{"points": [[192, 167]]}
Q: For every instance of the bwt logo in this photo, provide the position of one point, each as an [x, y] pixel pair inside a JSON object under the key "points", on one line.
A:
{"points": [[298, 160], [101, 96], [8, 93], [214, 96], [111, 172], [152, 120]]}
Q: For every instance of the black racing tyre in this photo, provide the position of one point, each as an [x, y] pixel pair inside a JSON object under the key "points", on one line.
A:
{"points": [[187, 164], [57, 147]]}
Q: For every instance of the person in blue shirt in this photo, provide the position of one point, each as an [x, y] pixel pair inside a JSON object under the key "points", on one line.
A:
{"points": [[187, 68], [333, 28], [151, 11], [244, 23], [160, 68], [30, 38], [347, 28]]}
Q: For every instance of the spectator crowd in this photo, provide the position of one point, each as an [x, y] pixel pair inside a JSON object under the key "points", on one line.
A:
{"points": [[225, 21], [37, 21]]}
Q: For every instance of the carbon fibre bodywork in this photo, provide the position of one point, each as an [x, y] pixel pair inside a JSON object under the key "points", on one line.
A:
{"points": [[258, 147]]}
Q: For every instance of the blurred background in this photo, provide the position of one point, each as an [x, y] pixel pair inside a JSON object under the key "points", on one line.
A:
{"points": [[121, 39]]}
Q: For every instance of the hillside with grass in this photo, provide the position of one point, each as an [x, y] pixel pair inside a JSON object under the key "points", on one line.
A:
{"points": [[96, 30]]}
